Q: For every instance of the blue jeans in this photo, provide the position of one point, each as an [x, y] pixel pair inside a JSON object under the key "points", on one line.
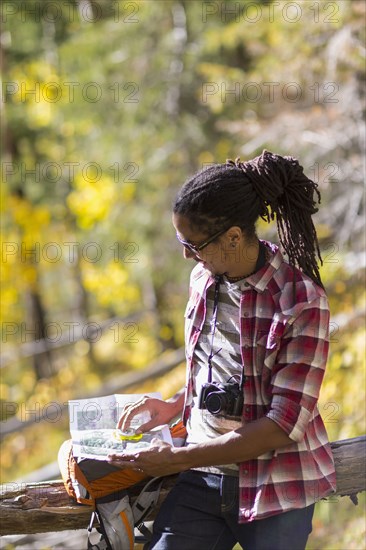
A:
{"points": [[201, 513]]}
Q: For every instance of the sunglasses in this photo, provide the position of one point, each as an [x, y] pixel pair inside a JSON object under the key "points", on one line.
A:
{"points": [[197, 248]]}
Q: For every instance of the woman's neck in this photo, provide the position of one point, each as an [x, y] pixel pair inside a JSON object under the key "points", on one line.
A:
{"points": [[247, 263]]}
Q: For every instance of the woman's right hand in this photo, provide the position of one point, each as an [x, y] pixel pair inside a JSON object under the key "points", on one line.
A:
{"points": [[161, 412]]}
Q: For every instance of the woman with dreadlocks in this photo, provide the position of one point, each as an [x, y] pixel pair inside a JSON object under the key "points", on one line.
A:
{"points": [[256, 457]]}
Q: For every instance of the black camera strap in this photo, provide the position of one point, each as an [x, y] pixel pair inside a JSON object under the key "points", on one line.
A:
{"points": [[218, 280], [261, 260]]}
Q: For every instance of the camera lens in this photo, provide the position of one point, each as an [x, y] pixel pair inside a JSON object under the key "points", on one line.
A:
{"points": [[216, 402]]}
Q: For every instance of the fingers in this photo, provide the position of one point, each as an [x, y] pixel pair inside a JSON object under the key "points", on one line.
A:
{"points": [[131, 458], [154, 461], [129, 411], [126, 461], [123, 462], [124, 420], [154, 412], [146, 427]]}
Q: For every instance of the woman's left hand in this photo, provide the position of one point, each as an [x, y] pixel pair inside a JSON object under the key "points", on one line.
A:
{"points": [[156, 460]]}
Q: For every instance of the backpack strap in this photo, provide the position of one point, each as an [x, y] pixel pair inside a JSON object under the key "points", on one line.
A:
{"points": [[115, 523], [145, 532], [103, 543], [146, 500]]}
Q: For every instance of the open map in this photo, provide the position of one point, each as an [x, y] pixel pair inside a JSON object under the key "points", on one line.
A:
{"points": [[93, 426]]}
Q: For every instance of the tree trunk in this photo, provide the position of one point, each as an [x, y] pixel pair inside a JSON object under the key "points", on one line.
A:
{"points": [[36, 325]]}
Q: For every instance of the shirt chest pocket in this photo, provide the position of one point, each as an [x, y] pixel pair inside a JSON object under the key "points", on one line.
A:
{"points": [[189, 312], [267, 347], [190, 320]]}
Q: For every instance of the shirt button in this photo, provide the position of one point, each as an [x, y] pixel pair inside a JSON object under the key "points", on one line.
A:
{"points": [[246, 346], [247, 409], [246, 314], [246, 284], [245, 472]]}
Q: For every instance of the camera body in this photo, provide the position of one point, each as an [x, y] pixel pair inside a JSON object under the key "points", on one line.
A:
{"points": [[221, 398]]}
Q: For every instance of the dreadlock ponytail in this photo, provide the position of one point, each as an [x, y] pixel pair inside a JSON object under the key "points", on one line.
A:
{"points": [[287, 195], [269, 186]]}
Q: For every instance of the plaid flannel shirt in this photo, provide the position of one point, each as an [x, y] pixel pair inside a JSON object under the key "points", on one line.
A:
{"points": [[284, 348]]}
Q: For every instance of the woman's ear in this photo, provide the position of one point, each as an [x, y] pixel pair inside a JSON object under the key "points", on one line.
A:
{"points": [[234, 235]]}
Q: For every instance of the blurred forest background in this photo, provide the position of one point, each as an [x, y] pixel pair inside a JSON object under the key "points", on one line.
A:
{"points": [[107, 107]]}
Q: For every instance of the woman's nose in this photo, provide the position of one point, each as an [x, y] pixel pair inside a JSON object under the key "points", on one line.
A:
{"points": [[188, 254]]}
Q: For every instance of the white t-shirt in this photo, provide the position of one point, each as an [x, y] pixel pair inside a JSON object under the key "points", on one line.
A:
{"points": [[226, 363]]}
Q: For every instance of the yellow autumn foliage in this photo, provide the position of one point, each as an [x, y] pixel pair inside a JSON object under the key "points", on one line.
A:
{"points": [[110, 285], [92, 197]]}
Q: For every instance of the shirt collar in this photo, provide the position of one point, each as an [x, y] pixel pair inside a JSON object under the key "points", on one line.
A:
{"points": [[259, 280]]}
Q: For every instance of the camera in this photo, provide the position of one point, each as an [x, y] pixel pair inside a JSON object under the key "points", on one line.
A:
{"points": [[221, 398]]}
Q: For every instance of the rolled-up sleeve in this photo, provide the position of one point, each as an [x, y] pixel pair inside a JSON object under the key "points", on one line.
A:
{"points": [[299, 368]]}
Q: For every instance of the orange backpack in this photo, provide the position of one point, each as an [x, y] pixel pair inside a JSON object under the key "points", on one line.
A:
{"points": [[104, 487], [99, 478]]}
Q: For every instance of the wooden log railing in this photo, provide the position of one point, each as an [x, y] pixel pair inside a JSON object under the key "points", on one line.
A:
{"points": [[27, 508]]}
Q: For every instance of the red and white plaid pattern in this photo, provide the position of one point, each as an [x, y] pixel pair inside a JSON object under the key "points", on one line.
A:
{"points": [[284, 348]]}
